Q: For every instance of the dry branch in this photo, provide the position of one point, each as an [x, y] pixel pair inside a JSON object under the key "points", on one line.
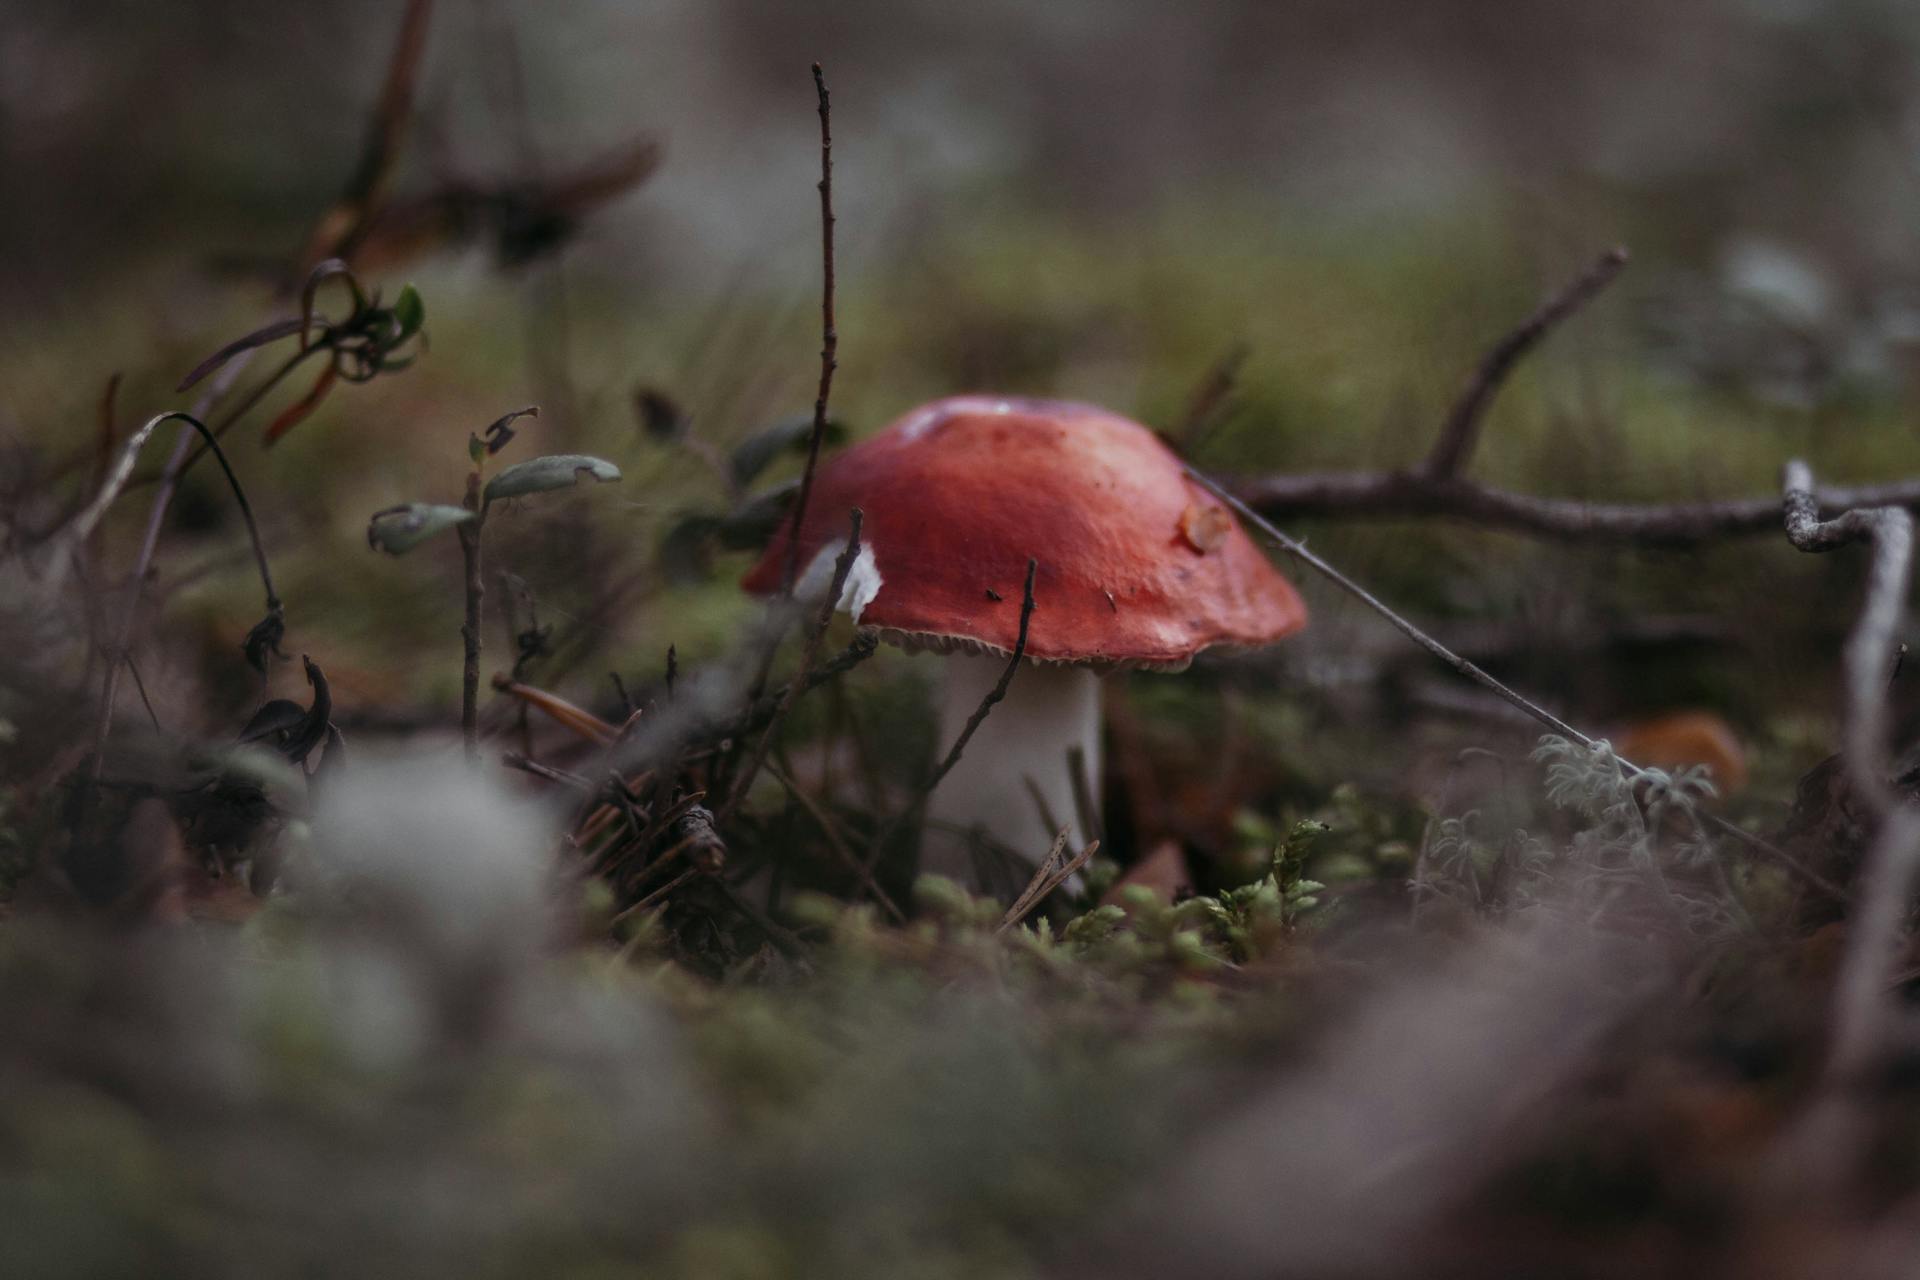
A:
{"points": [[974, 721], [1454, 449], [1054, 870], [1887, 881], [817, 632], [837, 842], [1436, 490], [346, 222], [994, 695], [1411, 495], [269, 628], [829, 337]]}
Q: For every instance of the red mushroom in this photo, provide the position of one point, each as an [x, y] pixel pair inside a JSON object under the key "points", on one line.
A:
{"points": [[1138, 567]]}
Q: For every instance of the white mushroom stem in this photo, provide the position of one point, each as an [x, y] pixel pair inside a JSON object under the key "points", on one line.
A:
{"points": [[1030, 735]]}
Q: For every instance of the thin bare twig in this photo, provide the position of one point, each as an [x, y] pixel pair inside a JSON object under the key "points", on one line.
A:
{"points": [[763, 709], [1454, 448], [577, 720], [1414, 496], [109, 402], [1871, 647], [841, 568], [1472, 672], [1299, 551], [974, 721], [135, 580], [565, 777], [1204, 407], [141, 686], [664, 815], [656, 895], [778, 934], [831, 829], [342, 227], [994, 695], [1054, 871], [1887, 880], [1397, 495], [829, 338], [476, 590]]}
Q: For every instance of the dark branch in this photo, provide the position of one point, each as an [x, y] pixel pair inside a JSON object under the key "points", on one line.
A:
{"points": [[841, 568], [342, 227], [994, 695], [831, 830], [1874, 641], [1408, 494], [1887, 880], [526, 764], [763, 709], [829, 338], [1454, 449], [97, 509], [912, 811]]}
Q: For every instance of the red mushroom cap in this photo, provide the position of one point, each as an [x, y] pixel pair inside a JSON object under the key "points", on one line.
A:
{"points": [[1138, 566]]}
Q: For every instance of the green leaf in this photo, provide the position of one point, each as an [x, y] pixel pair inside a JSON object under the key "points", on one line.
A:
{"points": [[398, 530], [555, 471], [1292, 853], [754, 454], [409, 312]]}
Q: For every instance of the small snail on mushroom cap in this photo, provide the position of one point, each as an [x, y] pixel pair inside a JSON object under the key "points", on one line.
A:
{"points": [[1138, 567]]}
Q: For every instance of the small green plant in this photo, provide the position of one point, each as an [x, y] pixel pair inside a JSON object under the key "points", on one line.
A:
{"points": [[398, 530], [369, 340], [1643, 823], [1251, 920]]}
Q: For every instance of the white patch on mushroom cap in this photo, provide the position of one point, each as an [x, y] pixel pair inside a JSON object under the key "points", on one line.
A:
{"points": [[922, 420], [863, 579]]}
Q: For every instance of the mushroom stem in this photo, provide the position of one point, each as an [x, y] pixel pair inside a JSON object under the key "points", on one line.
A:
{"points": [[1020, 749]]}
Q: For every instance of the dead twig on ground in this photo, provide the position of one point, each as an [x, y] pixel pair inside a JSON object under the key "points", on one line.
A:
{"points": [[565, 777], [1055, 870], [578, 720], [837, 842]]}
